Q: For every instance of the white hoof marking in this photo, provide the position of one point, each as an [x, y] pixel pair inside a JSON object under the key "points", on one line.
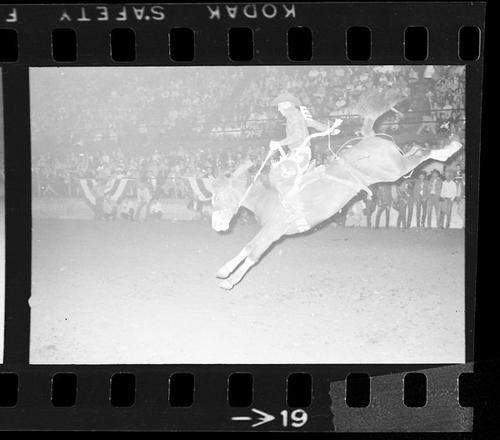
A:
{"points": [[225, 285], [222, 273]]}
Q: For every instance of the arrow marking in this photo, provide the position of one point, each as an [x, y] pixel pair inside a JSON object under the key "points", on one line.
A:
{"points": [[263, 418]]}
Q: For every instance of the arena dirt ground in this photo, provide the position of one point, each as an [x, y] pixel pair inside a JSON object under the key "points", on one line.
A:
{"points": [[147, 293]]}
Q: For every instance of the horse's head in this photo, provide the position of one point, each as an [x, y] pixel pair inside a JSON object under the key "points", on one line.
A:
{"points": [[227, 193]]}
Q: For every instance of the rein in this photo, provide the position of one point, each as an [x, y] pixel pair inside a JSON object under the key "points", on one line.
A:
{"points": [[245, 195]]}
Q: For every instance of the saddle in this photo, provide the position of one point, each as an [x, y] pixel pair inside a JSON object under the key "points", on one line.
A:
{"points": [[287, 173]]}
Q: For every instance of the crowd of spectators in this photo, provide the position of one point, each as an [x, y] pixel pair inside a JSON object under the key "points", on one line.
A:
{"points": [[435, 96], [126, 107], [417, 200], [102, 108], [165, 172]]}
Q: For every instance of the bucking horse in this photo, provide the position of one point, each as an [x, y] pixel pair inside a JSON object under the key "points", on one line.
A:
{"points": [[322, 192]]}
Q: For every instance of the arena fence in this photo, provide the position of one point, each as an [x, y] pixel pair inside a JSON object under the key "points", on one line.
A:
{"points": [[69, 208]]}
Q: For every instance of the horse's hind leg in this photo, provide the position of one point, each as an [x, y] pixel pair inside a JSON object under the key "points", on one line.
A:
{"points": [[442, 155], [233, 263]]}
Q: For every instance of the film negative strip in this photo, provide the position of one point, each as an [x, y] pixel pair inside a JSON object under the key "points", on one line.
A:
{"points": [[240, 216]]}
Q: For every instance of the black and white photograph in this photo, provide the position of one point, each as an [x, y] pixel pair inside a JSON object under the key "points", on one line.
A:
{"points": [[247, 215]]}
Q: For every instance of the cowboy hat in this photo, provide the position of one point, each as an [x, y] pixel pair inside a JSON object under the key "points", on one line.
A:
{"points": [[285, 97]]}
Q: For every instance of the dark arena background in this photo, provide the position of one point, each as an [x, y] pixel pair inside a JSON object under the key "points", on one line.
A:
{"points": [[124, 256]]}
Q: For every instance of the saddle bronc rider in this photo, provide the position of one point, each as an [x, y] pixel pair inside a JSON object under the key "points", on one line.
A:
{"points": [[297, 160], [292, 165]]}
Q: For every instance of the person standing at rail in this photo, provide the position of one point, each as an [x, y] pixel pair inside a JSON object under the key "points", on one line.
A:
{"points": [[410, 183], [460, 181], [448, 195], [420, 196], [433, 204], [384, 204], [370, 207]]}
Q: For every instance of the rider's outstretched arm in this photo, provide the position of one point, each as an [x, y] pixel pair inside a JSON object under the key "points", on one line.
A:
{"points": [[316, 125]]}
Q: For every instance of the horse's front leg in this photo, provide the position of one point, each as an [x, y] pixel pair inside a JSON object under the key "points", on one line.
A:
{"points": [[256, 249], [233, 263], [236, 277]]}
